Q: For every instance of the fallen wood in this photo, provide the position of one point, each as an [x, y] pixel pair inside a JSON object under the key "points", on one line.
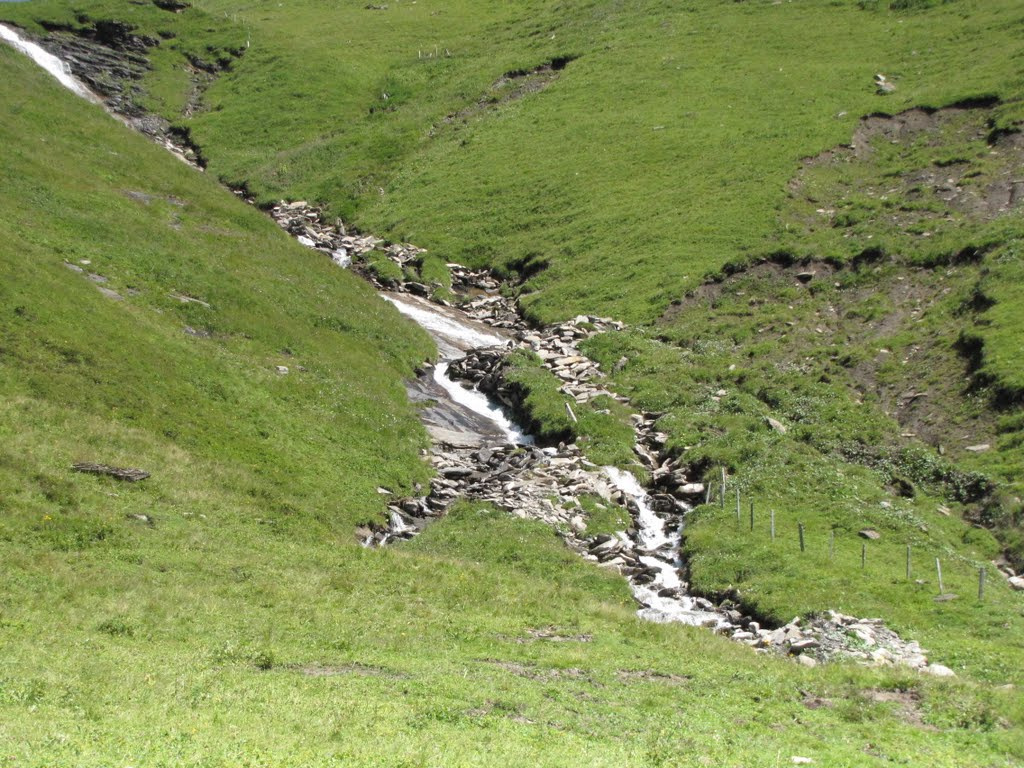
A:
{"points": [[130, 475]]}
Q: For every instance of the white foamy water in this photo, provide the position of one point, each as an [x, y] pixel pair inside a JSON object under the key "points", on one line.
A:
{"points": [[454, 337], [659, 550], [478, 402], [59, 69]]}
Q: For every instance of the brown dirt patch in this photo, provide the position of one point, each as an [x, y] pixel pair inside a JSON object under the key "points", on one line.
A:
{"points": [[905, 704], [652, 676], [954, 182], [543, 674], [354, 668], [550, 634]]}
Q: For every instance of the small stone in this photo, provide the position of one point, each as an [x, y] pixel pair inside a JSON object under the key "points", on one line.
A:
{"points": [[775, 424], [869, 533], [1016, 582], [282, 369], [939, 670], [978, 448], [864, 636], [881, 656], [806, 661], [803, 644]]}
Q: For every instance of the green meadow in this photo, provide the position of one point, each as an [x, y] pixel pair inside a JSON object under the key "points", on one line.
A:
{"points": [[682, 166]]}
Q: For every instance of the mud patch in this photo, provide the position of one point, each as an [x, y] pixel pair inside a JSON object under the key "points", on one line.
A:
{"points": [[811, 701], [354, 668], [904, 704], [555, 635], [919, 166], [545, 674], [513, 712], [652, 676]]}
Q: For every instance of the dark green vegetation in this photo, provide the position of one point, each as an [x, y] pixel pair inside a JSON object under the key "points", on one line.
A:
{"points": [[614, 155]]}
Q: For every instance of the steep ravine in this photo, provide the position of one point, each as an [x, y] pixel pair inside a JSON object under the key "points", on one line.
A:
{"points": [[479, 453]]}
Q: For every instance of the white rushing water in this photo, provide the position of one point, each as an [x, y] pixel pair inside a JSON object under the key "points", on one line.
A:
{"points": [[455, 336], [56, 67], [659, 549], [478, 402]]}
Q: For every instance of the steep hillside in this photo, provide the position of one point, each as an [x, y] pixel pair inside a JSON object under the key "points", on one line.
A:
{"points": [[821, 303], [220, 611]]}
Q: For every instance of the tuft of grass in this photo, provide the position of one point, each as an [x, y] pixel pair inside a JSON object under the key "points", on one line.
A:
{"points": [[601, 426]]}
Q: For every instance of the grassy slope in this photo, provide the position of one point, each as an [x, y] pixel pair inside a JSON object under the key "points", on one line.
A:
{"points": [[194, 595], [242, 625]]}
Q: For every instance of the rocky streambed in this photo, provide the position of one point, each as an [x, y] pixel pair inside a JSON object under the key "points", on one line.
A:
{"points": [[481, 454], [546, 484]]}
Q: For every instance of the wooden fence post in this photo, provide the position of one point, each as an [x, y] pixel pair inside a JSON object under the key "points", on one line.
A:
{"points": [[908, 562], [800, 527], [773, 524], [981, 583], [938, 570]]}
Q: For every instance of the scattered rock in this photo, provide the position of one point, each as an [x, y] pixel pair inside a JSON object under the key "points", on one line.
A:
{"points": [[141, 518], [869, 533], [128, 475], [883, 86], [775, 424], [939, 670]]}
